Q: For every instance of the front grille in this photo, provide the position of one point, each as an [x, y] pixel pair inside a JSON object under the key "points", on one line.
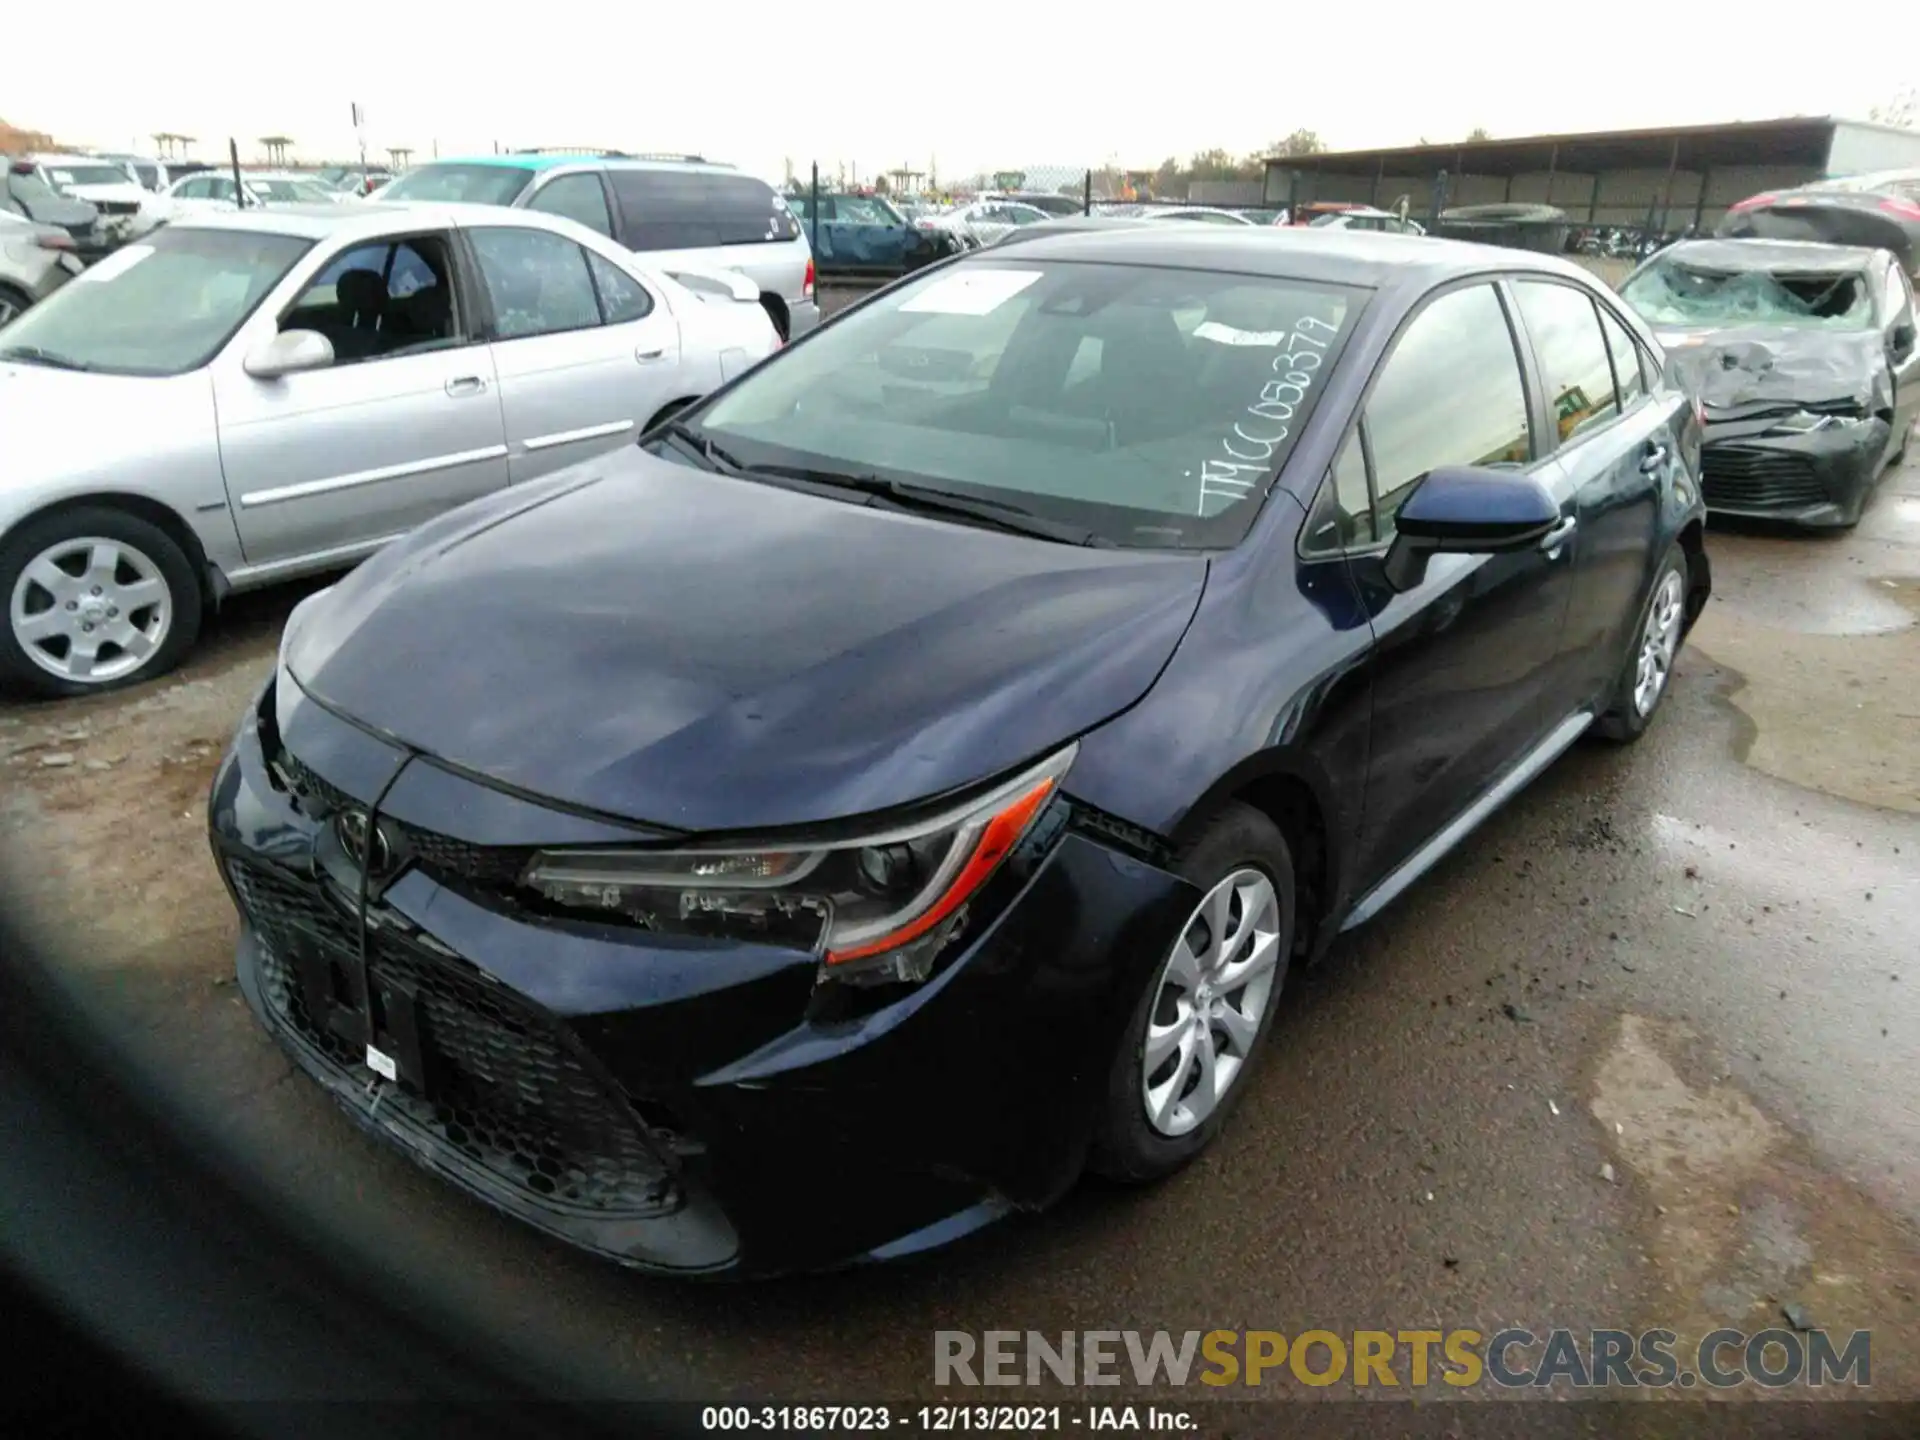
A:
{"points": [[319, 797], [442, 856], [507, 1086], [1759, 479], [116, 207]]}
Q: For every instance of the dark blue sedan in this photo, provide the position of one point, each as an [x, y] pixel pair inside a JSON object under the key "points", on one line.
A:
{"points": [[908, 779]]}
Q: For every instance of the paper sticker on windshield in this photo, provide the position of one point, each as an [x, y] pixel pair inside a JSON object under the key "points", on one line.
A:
{"points": [[1228, 335], [118, 263], [971, 292]]}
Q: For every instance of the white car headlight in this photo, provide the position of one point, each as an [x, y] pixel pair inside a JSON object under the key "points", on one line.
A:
{"points": [[878, 906]]}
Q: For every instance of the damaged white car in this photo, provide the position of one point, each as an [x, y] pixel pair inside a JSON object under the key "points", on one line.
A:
{"points": [[1805, 359], [251, 396]]}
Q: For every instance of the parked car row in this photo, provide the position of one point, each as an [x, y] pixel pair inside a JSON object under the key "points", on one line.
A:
{"points": [[265, 393]]}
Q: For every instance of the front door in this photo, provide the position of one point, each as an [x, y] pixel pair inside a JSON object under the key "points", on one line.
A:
{"points": [[586, 354], [1461, 662], [403, 425]]}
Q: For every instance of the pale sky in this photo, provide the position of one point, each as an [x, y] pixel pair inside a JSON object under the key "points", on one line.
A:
{"points": [[983, 84]]}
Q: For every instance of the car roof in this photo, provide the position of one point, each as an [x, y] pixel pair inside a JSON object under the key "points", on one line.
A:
{"points": [[1739, 253], [62, 157], [326, 219], [556, 161], [1352, 257]]}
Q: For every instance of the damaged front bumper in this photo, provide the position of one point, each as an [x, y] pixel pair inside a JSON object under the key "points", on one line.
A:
{"points": [[1813, 467], [676, 1104]]}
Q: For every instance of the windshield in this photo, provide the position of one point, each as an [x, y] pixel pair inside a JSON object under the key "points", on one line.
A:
{"points": [[64, 175], [1153, 407], [469, 184], [162, 307], [1671, 292], [864, 210], [29, 188]]}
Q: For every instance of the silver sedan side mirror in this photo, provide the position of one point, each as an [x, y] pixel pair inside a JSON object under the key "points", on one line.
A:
{"points": [[289, 353]]}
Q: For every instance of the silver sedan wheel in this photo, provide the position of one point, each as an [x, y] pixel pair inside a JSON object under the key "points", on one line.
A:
{"points": [[91, 609], [1658, 643], [1208, 1001]]}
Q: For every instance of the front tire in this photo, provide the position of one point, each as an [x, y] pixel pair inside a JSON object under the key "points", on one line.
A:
{"points": [[1646, 675], [1197, 1028], [96, 599]]}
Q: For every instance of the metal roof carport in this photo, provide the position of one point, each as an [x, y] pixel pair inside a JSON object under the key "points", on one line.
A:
{"points": [[1682, 175]]}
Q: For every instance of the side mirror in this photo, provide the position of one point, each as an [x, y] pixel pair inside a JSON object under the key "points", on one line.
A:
{"points": [[289, 353], [1467, 510], [1900, 340]]}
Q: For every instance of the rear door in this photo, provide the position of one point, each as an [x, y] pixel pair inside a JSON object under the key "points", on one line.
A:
{"points": [[1460, 661], [403, 425], [585, 353], [1618, 451]]}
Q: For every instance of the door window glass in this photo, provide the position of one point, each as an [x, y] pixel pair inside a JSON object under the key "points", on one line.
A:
{"points": [[622, 298], [1342, 517], [1572, 353], [1626, 360], [538, 282], [578, 197], [1451, 393], [381, 299]]}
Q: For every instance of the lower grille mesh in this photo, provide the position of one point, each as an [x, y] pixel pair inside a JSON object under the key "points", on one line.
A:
{"points": [[506, 1087], [1759, 479]]}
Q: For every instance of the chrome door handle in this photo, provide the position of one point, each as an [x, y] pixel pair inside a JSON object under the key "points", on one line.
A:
{"points": [[647, 357], [466, 385], [1558, 536]]}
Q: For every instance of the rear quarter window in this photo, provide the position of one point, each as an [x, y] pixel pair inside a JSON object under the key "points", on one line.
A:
{"points": [[691, 210]]}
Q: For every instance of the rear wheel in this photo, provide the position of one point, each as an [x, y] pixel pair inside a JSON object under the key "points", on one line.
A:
{"points": [[96, 599], [1649, 664], [1198, 1025]]}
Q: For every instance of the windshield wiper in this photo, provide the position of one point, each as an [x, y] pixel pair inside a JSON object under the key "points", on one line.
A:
{"points": [[927, 500], [34, 355], [692, 439]]}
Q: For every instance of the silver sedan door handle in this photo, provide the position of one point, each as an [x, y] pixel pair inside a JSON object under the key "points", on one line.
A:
{"points": [[647, 356], [1558, 536], [466, 385]]}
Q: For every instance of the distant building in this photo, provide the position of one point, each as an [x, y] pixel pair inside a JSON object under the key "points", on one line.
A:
{"points": [[1679, 176], [15, 141]]}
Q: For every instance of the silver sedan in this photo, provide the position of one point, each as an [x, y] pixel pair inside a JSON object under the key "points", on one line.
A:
{"points": [[245, 398]]}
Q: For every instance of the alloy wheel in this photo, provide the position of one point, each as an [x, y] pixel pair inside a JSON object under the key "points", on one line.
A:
{"points": [[91, 609], [1208, 1002], [1659, 642]]}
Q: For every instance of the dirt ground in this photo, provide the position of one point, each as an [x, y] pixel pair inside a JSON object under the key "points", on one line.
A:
{"points": [[1591, 982]]}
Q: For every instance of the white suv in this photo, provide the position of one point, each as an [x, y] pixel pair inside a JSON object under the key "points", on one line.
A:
{"points": [[686, 211]]}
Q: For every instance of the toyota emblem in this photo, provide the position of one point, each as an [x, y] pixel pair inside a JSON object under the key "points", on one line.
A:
{"points": [[366, 844]]}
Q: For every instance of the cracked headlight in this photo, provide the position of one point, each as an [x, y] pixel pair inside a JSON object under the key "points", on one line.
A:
{"points": [[879, 906]]}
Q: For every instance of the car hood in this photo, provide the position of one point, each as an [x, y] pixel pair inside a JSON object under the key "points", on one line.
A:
{"points": [[686, 650], [1770, 364]]}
